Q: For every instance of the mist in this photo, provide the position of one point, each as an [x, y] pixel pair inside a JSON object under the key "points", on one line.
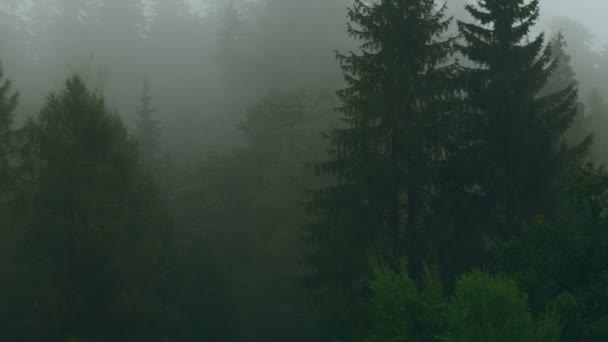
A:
{"points": [[587, 12], [303, 170]]}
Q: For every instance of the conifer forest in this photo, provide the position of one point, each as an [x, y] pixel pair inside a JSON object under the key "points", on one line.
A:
{"points": [[303, 170]]}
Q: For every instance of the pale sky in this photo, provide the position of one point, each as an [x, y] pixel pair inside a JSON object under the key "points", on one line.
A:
{"points": [[591, 13]]}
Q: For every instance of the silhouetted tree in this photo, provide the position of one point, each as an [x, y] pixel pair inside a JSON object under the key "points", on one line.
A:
{"points": [[563, 77], [148, 132], [8, 188], [94, 237], [8, 104], [580, 46], [598, 116], [516, 135], [267, 181], [204, 310], [384, 157]]}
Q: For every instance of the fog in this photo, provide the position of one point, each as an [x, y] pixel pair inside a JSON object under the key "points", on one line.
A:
{"points": [[183, 163], [165, 53], [587, 12]]}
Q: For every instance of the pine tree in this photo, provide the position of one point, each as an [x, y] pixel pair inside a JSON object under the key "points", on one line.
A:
{"points": [[517, 136], [148, 132], [598, 115], [563, 77], [8, 177], [581, 42], [94, 231], [8, 104], [383, 158]]}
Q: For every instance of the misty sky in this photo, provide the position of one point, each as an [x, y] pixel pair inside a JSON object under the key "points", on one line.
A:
{"points": [[591, 13]]}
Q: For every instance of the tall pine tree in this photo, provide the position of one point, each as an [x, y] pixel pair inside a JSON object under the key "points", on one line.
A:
{"points": [[94, 237], [383, 159], [148, 132], [8, 104], [563, 77], [517, 135], [598, 115]]}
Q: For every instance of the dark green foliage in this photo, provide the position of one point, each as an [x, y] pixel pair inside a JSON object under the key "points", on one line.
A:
{"points": [[561, 261], [482, 308], [400, 311], [485, 308], [8, 104], [383, 158], [516, 144], [8, 176], [473, 165], [257, 236], [94, 238], [203, 311]]}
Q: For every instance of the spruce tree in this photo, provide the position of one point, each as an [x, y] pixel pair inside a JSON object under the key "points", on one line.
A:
{"points": [[383, 158], [8, 104], [516, 134], [8, 178], [94, 231], [598, 115], [563, 77], [148, 131], [581, 42]]}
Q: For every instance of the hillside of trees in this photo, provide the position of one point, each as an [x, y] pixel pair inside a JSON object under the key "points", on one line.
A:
{"points": [[290, 170]]}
